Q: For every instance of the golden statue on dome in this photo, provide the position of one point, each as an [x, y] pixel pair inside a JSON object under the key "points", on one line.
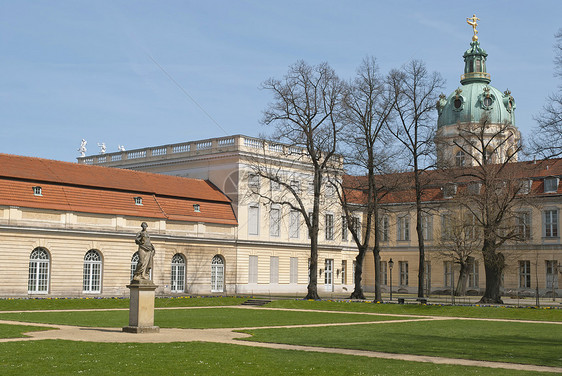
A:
{"points": [[472, 22]]}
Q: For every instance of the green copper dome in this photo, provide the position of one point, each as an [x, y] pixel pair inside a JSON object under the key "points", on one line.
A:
{"points": [[475, 97]]}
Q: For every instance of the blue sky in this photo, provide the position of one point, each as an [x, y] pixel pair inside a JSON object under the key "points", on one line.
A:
{"points": [[83, 69]]}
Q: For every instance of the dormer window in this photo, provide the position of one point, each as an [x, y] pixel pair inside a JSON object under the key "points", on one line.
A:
{"points": [[526, 186], [474, 188], [138, 200], [37, 191], [550, 185], [196, 208], [449, 191]]}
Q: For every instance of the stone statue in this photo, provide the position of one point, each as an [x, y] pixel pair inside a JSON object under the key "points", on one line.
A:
{"points": [[102, 147], [146, 254], [82, 148], [121, 147]]}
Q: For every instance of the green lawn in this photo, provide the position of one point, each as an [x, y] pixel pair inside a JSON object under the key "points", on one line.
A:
{"points": [[92, 303], [540, 314], [527, 343], [193, 318], [16, 331], [58, 358]]}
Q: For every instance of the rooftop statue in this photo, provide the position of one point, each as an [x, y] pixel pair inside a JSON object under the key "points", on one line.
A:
{"points": [[472, 22], [82, 148]]}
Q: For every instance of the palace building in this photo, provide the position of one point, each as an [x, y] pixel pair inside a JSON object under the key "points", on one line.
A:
{"points": [[68, 229]]}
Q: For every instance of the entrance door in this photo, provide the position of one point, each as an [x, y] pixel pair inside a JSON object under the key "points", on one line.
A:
{"points": [[329, 275]]}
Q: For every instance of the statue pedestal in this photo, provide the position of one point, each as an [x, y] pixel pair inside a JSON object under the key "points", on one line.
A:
{"points": [[141, 308]]}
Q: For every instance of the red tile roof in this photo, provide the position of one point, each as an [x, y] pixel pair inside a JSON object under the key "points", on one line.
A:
{"points": [[101, 190], [402, 190]]}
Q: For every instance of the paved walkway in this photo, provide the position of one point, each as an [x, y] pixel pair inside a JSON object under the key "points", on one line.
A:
{"points": [[228, 335]]}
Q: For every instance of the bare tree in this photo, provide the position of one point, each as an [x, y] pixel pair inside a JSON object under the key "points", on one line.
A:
{"points": [[460, 240], [416, 90], [547, 140], [305, 113], [494, 196], [367, 107]]}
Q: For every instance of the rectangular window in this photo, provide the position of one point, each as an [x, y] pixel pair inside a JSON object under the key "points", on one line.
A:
{"points": [[343, 228], [470, 222], [525, 274], [138, 200], [384, 275], [403, 269], [356, 225], [448, 274], [329, 226], [310, 189], [274, 221], [473, 275], [403, 228], [294, 271], [330, 190], [385, 228], [329, 274], [427, 227], [294, 224], [275, 186], [524, 225], [253, 181], [551, 274], [253, 219], [253, 270], [550, 185], [37, 191], [446, 227], [296, 185], [274, 269], [344, 272], [551, 223]]}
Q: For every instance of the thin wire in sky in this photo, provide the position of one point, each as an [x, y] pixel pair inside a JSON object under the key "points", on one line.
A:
{"points": [[187, 94]]}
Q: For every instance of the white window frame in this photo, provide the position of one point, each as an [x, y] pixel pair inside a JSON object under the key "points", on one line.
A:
{"points": [[217, 274], [253, 228], [550, 223], [37, 191], [551, 185], [274, 270], [253, 269], [275, 221], [295, 185], [294, 224], [524, 274], [294, 270], [448, 274], [39, 271], [473, 273], [138, 201], [403, 227], [329, 226], [427, 226], [403, 272], [344, 229], [385, 228], [177, 277], [92, 272], [524, 226], [551, 273]]}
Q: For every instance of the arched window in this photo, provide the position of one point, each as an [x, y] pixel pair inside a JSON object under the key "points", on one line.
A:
{"points": [[38, 280], [134, 262], [92, 272], [217, 274], [178, 273], [459, 159]]}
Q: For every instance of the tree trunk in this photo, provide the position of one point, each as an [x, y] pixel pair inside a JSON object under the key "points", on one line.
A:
{"points": [[421, 247], [377, 257], [494, 263], [313, 270], [463, 277], [358, 289]]}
